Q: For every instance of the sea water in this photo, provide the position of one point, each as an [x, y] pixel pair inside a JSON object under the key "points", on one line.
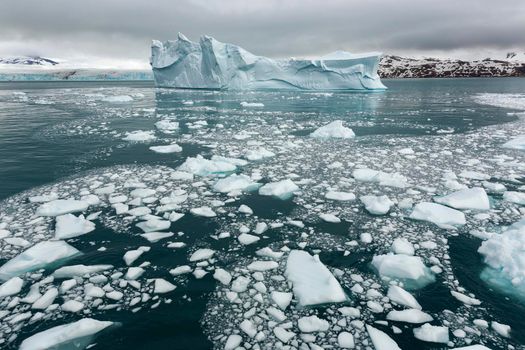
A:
{"points": [[430, 136]]}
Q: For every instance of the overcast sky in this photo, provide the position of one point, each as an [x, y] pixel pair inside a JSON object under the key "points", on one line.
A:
{"points": [[119, 32]]}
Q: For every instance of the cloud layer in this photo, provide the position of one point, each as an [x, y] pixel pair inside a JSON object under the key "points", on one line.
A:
{"points": [[121, 30]]}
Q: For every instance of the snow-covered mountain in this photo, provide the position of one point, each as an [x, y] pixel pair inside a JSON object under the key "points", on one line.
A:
{"points": [[404, 67], [29, 61]]}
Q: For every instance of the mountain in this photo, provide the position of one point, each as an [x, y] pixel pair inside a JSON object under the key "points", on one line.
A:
{"points": [[404, 67], [29, 61]]}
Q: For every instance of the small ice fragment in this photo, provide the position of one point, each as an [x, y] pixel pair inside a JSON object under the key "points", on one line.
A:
{"points": [[312, 282], [61, 207], [381, 340], [309, 324], [377, 205], [430, 333], [173, 148], [438, 214], [69, 226], [472, 198], [202, 254], [162, 286], [283, 189], [334, 129]]}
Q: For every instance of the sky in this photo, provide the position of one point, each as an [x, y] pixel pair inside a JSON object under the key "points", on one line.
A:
{"points": [[118, 33]]}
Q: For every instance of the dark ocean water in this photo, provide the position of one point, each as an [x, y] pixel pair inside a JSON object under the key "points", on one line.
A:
{"points": [[60, 130]]}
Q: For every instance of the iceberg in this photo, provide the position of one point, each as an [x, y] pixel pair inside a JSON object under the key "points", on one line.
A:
{"points": [[211, 64]]}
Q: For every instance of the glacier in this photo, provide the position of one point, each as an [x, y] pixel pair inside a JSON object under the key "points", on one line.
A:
{"points": [[211, 64]]}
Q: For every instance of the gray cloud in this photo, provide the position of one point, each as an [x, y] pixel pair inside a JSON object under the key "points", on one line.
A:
{"points": [[123, 29]]}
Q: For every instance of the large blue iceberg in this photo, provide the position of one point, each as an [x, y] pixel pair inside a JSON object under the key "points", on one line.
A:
{"points": [[210, 64]]}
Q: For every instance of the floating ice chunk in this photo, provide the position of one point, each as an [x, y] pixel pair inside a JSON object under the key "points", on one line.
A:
{"points": [[44, 198], [381, 340], [249, 328], [133, 273], [41, 255], [474, 175], [282, 299], [202, 254], [72, 306], [377, 205], [514, 197], [402, 246], [516, 143], [222, 276], [235, 183], [142, 193], [283, 189], [61, 207], [334, 129], [472, 347], [79, 270], [140, 136], [243, 208], [329, 218], [118, 99], [251, 104], [340, 196], [167, 126], [345, 340], [46, 299], [154, 225], [503, 253], [180, 270], [434, 334], [173, 148], [11, 287], [258, 154], [268, 252], [69, 226], [233, 342], [438, 214], [312, 282], [154, 237], [409, 316], [472, 198], [262, 265], [235, 161], [79, 332], [283, 335], [309, 324], [494, 187], [247, 239], [132, 255], [204, 167], [203, 211], [465, 299], [501, 329], [139, 211], [162, 286], [402, 297], [384, 179], [406, 268]]}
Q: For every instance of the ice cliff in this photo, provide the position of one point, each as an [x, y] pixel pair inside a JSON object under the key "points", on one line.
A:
{"points": [[210, 64]]}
